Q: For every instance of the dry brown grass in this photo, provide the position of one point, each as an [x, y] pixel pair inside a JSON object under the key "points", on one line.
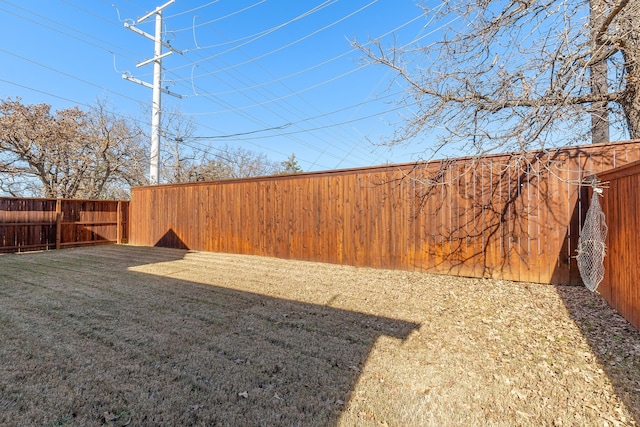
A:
{"points": [[147, 336]]}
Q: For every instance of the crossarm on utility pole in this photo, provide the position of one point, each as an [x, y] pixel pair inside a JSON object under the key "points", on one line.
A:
{"points": [[156, 110]]}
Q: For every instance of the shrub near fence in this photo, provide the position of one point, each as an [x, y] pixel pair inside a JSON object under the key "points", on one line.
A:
{"points": [[514, 216], [41, 224]]}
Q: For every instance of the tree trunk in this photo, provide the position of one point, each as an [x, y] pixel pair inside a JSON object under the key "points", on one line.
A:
{"points": [[629, 44], [599, 110], [630, 102], [598, 77]]}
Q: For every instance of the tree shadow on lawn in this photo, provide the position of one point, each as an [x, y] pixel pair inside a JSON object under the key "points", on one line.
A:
{"points": [[87, 341], [612, 339]]}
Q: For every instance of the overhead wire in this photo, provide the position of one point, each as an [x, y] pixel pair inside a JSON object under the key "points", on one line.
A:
{"points": [[297, 93], [346, 122], [323, 127], [326, 114], [292, 94], [192, 9], [43, 92], [264, 55], [266, 32], [248, 140], [320, 64], [308, 119], [319, 84], [63, 73], [133, 5], [395, 29], [221, 17], [82, 39], [297, 122], [300, 142], [88, 12], [236, 90], [261, 123], [261, 34], [328, 143]]}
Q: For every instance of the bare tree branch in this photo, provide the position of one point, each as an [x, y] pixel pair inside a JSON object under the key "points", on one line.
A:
{"points": [[517, 74]]}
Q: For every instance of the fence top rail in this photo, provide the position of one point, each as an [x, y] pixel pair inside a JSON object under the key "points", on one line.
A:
{"points": [[51, 199], [632, 168], [556, 151]]}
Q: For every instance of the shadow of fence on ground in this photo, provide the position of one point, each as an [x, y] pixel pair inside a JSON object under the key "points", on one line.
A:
{"points": [[614, 341], [157, 350], [171, 240]]}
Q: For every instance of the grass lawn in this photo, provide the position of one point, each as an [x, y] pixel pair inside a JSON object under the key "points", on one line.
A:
{"points": [[122, 335]]}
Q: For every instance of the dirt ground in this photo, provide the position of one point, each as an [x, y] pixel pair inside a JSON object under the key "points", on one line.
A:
{"points": [[121, 335]]}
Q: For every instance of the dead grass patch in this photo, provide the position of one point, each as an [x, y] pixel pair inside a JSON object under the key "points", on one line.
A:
{"points": [[148, 336]]}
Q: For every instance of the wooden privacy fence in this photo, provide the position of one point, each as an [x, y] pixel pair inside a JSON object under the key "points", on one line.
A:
{"points": [[514, 216], [40, 224], [621, 206]]}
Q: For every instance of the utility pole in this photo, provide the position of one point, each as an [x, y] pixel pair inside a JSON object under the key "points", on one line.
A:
{"points": [[156, 130]]}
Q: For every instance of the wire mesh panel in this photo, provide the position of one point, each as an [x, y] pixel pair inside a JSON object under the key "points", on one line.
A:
{"points": [[591, 244]]}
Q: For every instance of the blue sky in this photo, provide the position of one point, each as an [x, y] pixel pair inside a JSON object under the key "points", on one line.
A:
{"points": [[283, 73]]}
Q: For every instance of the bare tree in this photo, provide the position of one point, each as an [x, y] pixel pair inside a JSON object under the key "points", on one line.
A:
{"points": [[120, 153], [68, 153], [517, 74], [185, 158], [180, 162], [228, 163]]}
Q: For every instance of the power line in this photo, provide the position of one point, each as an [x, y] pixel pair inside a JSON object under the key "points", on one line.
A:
{"points": [[276, 100], [192, 10], [68, 75], [82, 39], [318, 65], [317, 128], [233, 135], [346, 122], [259, 35], [88, 12], [264, 55], [258, 121], [220, 18], [416, 39], [44, 92], [302, 142]]}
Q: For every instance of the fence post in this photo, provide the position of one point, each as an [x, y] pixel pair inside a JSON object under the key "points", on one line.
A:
{"points": [[119, 223], [58, 222]]}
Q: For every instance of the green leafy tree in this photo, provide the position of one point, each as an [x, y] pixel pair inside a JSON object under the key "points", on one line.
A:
{"points": [[290, 166]]}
